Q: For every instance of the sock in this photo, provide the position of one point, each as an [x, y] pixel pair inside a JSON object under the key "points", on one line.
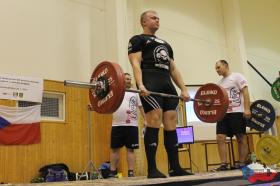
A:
{"points": [[151, 143], [171, 147]]}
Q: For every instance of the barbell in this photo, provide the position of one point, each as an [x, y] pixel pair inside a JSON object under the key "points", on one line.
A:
{"points": [[107, 89]]}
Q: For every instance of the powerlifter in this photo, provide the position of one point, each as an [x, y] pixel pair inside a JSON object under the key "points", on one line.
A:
{"points": [[154, 67]]}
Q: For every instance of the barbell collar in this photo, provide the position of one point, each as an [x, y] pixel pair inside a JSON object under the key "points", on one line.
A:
{"points": [[258, 115]]}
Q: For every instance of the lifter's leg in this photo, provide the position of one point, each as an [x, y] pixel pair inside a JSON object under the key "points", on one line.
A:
{"points": [[242, 148], [130, 161], [153, 119], [221, 139], [114, 160], [171, 143]]}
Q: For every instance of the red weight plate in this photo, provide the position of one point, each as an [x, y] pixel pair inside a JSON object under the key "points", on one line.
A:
{"points": [[115, 76], [215, 111]]}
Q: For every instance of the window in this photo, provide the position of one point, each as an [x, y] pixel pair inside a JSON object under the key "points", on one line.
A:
{"points": [[190, 114], [181, 117], [52, 108]]}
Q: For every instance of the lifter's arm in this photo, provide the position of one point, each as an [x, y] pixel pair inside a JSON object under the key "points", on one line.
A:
{"points": [[135, 61], [246, 97], [178, 80]]}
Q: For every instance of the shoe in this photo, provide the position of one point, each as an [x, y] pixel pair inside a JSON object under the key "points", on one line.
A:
{"points": [[112, 174], [156, 174], [238, 165], [178, 172], [223, 167]]}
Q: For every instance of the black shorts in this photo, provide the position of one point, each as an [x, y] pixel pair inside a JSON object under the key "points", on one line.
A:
{"points": [[232, 124], [158, 81], [124, 135]]}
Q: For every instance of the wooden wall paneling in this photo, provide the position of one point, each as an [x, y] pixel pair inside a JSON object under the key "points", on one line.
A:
{"points": [[250, 143], [5, 102], [184, 157], [123, 167], [235, 151], [195, 149], [102, 124], [141, 163], [277, 122], [161, 156]]}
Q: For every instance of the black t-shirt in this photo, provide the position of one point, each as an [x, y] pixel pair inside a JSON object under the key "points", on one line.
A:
{"points": [[156, 53]]}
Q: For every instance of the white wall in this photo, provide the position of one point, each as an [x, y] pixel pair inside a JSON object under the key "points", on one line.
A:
{"points": [[260, 20], [66, 39], [50, 39]]}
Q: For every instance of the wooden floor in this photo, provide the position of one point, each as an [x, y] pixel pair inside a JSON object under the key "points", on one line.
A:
{"points": [[198, 178]]}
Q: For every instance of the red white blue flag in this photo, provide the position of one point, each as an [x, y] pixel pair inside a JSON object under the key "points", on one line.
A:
{"points": [[20, 125]]}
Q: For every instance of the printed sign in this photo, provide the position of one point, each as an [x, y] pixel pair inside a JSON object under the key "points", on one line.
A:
{"points": [[21, 88]]}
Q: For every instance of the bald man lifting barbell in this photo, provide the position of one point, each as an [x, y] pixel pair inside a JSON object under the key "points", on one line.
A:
{"points": [[153, 76], [153, 66]]}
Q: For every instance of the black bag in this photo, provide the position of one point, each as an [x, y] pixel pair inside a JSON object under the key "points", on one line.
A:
{"points": [[105, 169], [55, 172], [56, 175]]}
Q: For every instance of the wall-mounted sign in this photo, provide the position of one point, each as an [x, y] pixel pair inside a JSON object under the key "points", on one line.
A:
{"points": [[21, 88]]}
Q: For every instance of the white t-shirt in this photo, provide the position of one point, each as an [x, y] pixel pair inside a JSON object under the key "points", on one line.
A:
{"points": [[233, 85], [126, 115]]}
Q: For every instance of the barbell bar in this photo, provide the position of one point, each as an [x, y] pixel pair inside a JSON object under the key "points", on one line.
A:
{"points": [[207, 102], [81, 84], [100, 85]]}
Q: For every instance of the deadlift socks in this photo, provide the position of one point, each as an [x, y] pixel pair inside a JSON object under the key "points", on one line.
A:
{"points": [[151, 143], [171, 146]]}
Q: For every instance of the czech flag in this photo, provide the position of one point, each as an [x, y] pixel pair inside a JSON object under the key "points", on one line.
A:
{"points": [[20, 125]]}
